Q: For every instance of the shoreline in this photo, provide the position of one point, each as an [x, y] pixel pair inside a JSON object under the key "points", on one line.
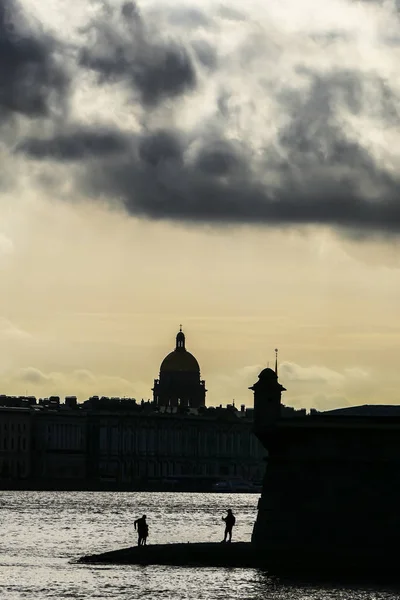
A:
{"points": [[35, 486], [322, 565]]}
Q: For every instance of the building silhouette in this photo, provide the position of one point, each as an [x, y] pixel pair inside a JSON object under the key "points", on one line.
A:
{"points": [[172, 442], [179, 383], [150, 448], [15, 441], [118, 443]]}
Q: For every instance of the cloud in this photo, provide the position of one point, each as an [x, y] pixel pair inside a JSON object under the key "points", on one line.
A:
{"points": [[258, 117], [314, 386], [225, 386], [292, 372], [32, 80], [33, 376], [357, 374], [75, 145], [329, 402], [10, 332], [85, 376], [124, 49], [81, 382], [317, 386], [319, 374]]}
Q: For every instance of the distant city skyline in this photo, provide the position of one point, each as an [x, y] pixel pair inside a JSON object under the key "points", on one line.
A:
{"points": [[231, 168]]}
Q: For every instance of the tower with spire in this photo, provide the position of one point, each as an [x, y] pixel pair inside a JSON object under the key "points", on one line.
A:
{"points": [[267, 397]]}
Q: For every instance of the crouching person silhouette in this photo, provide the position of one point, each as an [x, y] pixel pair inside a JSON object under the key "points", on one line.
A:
{"points": [[230, 520], [142, 530]]}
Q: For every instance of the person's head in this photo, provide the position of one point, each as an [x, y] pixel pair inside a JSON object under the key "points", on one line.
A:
{"points": [[229, 511], [144, 517]]}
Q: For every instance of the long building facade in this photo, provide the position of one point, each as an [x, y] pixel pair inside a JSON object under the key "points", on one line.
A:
{"points": [[120, 444], [185, 449]]}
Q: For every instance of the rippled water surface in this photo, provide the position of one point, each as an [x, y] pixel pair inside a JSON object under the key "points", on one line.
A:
{"points": [[43, 532]]}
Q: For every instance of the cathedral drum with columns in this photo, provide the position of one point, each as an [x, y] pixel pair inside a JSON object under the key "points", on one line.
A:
{"points": [[179, 383]]}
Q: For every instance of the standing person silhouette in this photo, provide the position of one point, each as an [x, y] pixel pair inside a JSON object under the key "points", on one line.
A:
{"points": [[145, 534], [230, 520], [142, 529]]}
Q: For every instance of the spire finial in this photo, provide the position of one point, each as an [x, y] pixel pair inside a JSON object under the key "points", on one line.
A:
{"points": [[276, 361], [180, 328]]}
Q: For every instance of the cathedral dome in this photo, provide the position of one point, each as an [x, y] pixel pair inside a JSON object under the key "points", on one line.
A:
{"points": [[179, 384], [180, 360]]}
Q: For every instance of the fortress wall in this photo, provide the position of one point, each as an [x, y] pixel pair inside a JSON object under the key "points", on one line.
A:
{"points": [[329, 493]]}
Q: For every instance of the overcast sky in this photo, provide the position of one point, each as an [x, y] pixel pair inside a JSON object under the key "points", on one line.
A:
{"points": [[233, 167]]}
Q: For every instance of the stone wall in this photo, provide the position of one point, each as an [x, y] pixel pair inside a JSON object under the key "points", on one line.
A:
{"points": [[331, 491]]}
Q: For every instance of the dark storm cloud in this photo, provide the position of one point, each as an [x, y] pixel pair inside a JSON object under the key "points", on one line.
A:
{"points": [[31, 80], [174, 189], [76, 145], [96, 142], [326, 165], [127, 51], [313, 171], [160, 147], [314, 135], [220, 158], [318, 176], [317, 172]]}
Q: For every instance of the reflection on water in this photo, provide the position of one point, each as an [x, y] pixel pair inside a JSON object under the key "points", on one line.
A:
{"points": [[43, 532]]}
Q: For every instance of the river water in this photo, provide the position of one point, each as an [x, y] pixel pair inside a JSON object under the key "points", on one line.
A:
{"points": [[42, 533]]}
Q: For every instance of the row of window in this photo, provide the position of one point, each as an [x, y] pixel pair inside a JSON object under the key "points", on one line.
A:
{"points": [[131, 469], [65, 436], [152, 441], [13, 443], [13, 468], [12, 427]]}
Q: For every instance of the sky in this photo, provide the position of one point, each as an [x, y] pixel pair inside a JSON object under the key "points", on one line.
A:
{"points": [[233, 167]]}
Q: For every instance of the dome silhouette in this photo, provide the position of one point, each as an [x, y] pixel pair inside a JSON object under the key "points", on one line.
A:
{"points": [[179, 383], [268, 374], [179, 360]]}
